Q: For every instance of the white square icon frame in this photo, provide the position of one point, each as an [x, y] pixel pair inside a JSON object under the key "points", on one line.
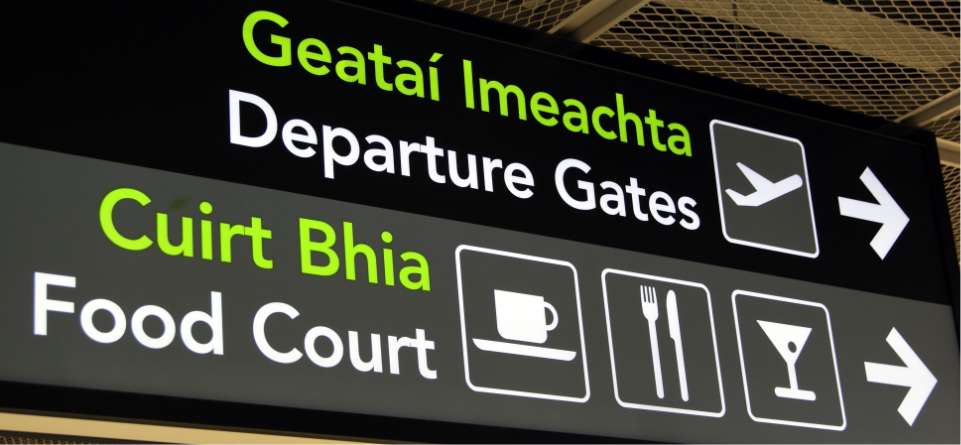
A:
{"points": [[610, 346], [720, 193], [834, 358], [463, 326]]}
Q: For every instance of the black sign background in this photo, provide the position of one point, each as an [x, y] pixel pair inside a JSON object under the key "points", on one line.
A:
{"points": [[147, 85]]}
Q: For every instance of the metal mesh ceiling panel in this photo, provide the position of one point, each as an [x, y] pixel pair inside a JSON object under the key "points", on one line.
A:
{"points": [[535, 14], [937, 16], [945, 128], [880, 58], [952, 188], [884, 58]]}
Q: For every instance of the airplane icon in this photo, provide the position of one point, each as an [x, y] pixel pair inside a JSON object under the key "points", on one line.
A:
{"points": [[764, 190]]}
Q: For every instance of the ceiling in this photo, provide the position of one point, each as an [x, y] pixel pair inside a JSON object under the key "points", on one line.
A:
{"points": [[893, 59]]}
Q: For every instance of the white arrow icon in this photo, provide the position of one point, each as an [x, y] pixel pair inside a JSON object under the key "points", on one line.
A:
{"points": [[885, 211], [914, 375]]}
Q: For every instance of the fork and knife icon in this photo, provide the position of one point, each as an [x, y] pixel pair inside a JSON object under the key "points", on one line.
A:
{"points": [[651, 313]]}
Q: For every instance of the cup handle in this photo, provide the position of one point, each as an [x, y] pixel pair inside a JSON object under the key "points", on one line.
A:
{"points": [[553, 323]]}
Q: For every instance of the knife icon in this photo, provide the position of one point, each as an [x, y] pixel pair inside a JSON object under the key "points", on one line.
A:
{"points": [[674, 325]]}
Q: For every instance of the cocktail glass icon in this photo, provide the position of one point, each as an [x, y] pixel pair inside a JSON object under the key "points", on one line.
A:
{"points": [[789, 340]]}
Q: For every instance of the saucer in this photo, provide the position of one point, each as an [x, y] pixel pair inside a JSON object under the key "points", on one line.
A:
{"points": [[525, 350]]}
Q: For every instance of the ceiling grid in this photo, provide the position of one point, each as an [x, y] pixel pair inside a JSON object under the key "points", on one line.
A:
{"points": [[810, 49], [882, 58], [947, 128], [540, 15], [952, 185]]}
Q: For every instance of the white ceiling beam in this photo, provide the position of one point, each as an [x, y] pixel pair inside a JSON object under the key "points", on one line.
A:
{"points": [[949, 152], [944, 107], [595, 18]]}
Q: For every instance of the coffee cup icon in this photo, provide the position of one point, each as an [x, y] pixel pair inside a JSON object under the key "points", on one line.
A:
{"points": [[523, 317]]}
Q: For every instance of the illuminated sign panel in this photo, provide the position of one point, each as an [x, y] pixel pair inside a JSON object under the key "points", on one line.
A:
{"points": [[334, 209]]}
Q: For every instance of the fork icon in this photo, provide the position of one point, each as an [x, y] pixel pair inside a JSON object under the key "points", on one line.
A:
{"points": [[649, 308]]}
